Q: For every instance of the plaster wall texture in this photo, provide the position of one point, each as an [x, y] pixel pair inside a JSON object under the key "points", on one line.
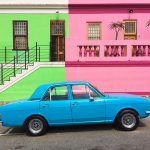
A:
{"points": [[38, 31], [113, 79], [78, 23], [129, 79]]}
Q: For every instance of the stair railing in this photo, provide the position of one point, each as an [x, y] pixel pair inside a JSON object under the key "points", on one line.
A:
{"points": [[10, 67]]}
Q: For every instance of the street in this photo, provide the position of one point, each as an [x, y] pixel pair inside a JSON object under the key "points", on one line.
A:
{"points": [[90, 137]]}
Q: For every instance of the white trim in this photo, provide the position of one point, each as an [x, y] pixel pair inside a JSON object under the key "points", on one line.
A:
{"points": [[17, 65], [35, 6], [34, 11], [30, 69], [31, 2], [42, 8]]}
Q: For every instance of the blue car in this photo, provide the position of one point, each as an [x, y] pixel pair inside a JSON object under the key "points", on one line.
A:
{"points": [[74, 103]]}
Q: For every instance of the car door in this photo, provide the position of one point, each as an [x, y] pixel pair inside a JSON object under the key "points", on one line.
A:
{"points": [[55, 105], [87, 105]]}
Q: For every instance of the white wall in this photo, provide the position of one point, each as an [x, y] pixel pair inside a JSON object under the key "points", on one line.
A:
{"points": [[36, 2]]}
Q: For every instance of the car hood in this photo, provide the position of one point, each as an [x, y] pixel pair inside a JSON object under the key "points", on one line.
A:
{"points": [[17, 101], [12, 104], [119, 95], [128, 98]]}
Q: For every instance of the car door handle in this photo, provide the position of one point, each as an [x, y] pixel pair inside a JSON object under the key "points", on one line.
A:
{"points": [[45, 106], [75, 103]]}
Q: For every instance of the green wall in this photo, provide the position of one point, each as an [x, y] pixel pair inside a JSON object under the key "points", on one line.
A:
{"points": [[25, 87], [38, 31]]}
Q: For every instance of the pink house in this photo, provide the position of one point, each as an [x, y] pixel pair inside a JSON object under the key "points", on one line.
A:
{"points": [[93, 54]]}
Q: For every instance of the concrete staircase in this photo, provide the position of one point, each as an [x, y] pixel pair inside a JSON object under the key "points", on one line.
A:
{"points": [[26, 72]]}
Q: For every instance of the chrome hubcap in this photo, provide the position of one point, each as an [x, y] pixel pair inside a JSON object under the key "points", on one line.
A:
{"points": [[128, 120], [35, 126]]}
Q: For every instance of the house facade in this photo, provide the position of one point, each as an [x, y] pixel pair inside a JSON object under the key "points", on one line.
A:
{"points": [[32, 39], [93, 54], [25, 23]]}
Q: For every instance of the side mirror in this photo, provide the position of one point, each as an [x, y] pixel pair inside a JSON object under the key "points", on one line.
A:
{"points": [[91, 99]]}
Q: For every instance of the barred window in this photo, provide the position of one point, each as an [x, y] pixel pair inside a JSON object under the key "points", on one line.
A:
{"points": [[94, 31], [57, 28], [20, 35], [130, 30]]}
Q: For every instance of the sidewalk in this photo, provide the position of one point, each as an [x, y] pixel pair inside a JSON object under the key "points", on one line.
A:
{"points": [[3, 129]]}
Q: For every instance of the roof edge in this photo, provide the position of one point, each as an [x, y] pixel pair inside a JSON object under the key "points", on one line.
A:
{"points": [[24, 6]]}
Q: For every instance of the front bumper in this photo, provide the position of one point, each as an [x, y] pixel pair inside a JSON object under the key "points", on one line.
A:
{"points": [[148, 112]]}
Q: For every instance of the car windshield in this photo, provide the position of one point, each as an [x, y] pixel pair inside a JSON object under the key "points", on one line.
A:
{"points": [[97, 90]]}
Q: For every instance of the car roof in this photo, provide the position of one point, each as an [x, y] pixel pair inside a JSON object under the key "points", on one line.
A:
{"points": [[65, 83], [40, 91]]}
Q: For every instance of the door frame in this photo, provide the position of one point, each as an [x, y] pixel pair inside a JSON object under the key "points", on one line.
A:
{"points": [[51, 21], [47, 105], [78, 103]]}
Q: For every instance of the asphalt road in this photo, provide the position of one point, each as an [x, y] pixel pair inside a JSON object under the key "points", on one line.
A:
{"points": [[91, 137]]}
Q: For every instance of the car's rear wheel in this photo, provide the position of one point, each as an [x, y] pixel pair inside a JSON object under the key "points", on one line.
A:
{"points": [[36, 126], [127, 120]]}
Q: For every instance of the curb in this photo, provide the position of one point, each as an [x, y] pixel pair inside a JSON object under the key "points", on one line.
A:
{"points": [[3, 130]]}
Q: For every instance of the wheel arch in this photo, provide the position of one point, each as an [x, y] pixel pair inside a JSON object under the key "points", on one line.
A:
{"points": [[124, 109], [34, 115]]}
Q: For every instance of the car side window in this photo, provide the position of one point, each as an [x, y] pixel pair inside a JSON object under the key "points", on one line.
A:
{"points": [[57, 93], [82, 92]]}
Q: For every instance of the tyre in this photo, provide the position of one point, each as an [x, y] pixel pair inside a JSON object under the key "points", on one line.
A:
{"points": [[127, 120], [36, 126]]}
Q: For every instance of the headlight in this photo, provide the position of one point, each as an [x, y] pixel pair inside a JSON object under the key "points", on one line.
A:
{"points": [[148, 112]]}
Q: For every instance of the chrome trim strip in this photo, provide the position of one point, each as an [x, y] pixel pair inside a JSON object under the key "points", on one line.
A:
{"points": [[148, 112]]}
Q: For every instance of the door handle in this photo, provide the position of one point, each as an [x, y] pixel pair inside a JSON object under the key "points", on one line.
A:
{"points": [[45, 106], [75, 103]]}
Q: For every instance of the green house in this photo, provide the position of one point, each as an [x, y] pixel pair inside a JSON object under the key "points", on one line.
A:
{"points": [[30, 33]]}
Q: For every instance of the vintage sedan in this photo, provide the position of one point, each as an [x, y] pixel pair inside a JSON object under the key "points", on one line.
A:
{"points": [[74, 103]]}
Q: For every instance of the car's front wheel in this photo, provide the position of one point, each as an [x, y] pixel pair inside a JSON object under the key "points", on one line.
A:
{"points": [[127, 120], [36, 126]]}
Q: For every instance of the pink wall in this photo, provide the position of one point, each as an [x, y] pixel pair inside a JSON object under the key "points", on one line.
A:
{"points": [[133, 79], [113, 79], [72, 49], [79, 17], [78, 23]]}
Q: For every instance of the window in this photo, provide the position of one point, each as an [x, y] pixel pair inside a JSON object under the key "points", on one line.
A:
{"points": [[57, 93], [57, 28], [20, 35], [130, 30], [94, 31], [82, 92]]}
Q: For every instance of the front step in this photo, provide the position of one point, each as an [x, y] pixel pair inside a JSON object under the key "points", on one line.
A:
{"points": [[28, 71]]}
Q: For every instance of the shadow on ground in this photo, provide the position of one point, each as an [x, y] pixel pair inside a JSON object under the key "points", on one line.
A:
{"points": [[80, 128], [76, 128], [63, 129]]}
